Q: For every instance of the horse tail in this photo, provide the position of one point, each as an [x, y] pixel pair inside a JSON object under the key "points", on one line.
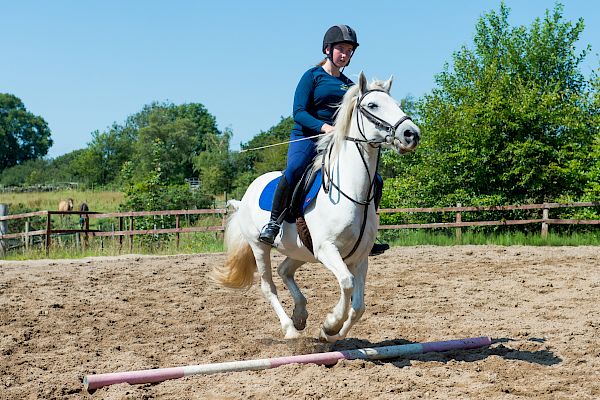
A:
{"points": [[238, 271]]}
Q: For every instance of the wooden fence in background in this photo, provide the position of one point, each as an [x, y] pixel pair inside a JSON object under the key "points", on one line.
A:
{"points": [[121, 217], [458, 224]]}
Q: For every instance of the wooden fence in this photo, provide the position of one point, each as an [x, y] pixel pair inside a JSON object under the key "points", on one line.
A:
{"points": [[121, 232], [545, 221], [458, 224]]}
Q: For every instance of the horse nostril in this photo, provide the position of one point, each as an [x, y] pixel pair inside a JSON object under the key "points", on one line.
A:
{"points": [[408, 134]]}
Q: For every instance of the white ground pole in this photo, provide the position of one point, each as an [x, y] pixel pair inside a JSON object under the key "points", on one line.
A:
{"points": [[92, 382]]}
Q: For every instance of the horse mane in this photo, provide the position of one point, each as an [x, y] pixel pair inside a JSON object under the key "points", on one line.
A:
{"points": [[343, 121]]}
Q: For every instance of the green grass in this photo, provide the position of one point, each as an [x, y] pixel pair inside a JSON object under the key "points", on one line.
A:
{"points": [[102, 201], [416, 237], [67, 246], [210, 242]]}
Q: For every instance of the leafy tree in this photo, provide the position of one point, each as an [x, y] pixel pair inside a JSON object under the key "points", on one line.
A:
{"points": [[511, 121], [181, 128], [30, 172], [214, 165], [23, 136], [253, 160], [152, 194], [102, 160]]}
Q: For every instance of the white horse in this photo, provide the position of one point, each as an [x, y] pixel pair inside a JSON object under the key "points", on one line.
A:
{"points": [[342, 219]]}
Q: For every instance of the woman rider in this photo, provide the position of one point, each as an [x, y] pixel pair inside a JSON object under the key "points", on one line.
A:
{"points": [[317, 96]]}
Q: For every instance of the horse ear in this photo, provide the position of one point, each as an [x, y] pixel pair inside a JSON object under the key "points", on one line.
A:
{"points": [[362, 83], [387, 85]]}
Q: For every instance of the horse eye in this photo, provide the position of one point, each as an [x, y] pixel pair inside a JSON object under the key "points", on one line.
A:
{"points": [[372, 106]]}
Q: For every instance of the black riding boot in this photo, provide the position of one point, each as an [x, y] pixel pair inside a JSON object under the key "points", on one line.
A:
{"points": [[271, 230]]}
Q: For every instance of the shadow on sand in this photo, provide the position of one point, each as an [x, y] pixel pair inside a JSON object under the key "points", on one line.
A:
{"points": [[499, 347]]}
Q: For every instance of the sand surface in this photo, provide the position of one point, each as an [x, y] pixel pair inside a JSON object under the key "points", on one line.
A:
{"points": [[61, 320]]}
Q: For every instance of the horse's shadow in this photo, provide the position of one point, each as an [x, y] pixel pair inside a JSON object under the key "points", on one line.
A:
{"points": [[497, 348]]}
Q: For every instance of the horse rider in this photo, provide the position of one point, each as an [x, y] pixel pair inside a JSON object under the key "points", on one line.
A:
{"points": [[317, 96]]}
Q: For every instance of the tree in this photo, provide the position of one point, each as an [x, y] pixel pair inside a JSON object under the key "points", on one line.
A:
{"points": [[214, 165], [23, 136], [255, 159], [183, 131], [102, 160], [511, 121]]}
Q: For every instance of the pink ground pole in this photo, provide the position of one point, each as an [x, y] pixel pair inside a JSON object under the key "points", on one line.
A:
{"points": [[92, 382]]}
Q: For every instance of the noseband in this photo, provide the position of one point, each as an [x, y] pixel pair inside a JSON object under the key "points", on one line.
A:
{"points": [[375, 120]]}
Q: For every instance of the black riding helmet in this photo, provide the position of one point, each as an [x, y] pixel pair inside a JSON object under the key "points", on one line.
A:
{"points": [[339, 34]]}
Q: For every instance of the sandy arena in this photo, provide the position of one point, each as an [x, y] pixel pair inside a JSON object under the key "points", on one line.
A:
{"points": [[61, 320]]}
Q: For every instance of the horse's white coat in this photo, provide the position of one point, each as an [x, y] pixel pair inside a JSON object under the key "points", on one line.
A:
{"points": [[333, 220]]}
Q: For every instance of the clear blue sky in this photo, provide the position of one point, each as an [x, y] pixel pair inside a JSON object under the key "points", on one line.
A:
{"points": [[82, 65]]}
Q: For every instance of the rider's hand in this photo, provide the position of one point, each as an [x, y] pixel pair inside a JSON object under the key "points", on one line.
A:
{"points": [[326, 128]]}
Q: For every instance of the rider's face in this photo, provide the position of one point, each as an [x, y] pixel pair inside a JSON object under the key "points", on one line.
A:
{"points": [[342, 52]]}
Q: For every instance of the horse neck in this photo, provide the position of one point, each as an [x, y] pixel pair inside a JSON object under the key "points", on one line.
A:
{"points": [[349, 171]]}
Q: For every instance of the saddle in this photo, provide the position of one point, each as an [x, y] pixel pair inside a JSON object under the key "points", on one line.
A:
{"points": [[304, 193]]}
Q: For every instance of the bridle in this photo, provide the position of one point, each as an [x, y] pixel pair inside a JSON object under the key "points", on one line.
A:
{"points": [[375, 120], [375, 143]]}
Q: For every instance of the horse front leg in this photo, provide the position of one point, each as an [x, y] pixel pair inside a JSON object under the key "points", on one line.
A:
{"points": [[286, 270], [262, 254], [329, 255], [358, 298]]}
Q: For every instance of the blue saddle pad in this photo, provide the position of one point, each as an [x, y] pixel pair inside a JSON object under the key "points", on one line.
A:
{"points": [[265, 201]]}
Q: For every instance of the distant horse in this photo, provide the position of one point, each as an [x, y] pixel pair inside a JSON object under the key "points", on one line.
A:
{"points": [[83, 217], [342, 219], [65, 205]]}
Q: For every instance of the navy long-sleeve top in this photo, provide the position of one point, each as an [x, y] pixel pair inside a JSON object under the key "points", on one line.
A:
{"points": [[316, 99]]}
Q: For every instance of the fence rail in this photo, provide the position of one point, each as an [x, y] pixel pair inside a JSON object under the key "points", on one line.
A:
{"points": [[458, 224]]}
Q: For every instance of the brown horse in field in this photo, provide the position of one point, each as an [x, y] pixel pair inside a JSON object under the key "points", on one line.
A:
{"points": [[65, 205]]}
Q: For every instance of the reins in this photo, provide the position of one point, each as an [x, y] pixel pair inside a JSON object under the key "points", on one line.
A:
{"points": [[282, 143]]}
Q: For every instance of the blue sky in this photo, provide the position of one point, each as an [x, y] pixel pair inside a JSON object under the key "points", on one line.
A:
{"points": [[82, 65]]}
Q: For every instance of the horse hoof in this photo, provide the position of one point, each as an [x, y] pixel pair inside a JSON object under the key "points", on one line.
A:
{"points": [[300, 320], [291, 332], [300, 325], [324, 337]]}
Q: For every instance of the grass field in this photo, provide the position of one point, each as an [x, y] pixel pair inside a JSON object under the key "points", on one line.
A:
{"points": [[104, 201]]}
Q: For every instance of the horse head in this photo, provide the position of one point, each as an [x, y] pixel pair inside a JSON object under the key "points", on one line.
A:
{"points": [[380, 118], [84, 207]]}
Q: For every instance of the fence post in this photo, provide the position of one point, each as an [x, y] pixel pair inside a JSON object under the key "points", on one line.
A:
{"points": [[86, 227], [131, 228], [177, 226], [545, 218], [458, 219], [27, 229], [121, 236], [3, 228], [48, 232]]}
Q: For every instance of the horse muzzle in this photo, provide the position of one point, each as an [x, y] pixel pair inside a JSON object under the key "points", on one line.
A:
{"points": [[407, 139]]}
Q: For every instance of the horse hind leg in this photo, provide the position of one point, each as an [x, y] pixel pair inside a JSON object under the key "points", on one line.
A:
{"points": [[262, 254], [286, 270]]}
